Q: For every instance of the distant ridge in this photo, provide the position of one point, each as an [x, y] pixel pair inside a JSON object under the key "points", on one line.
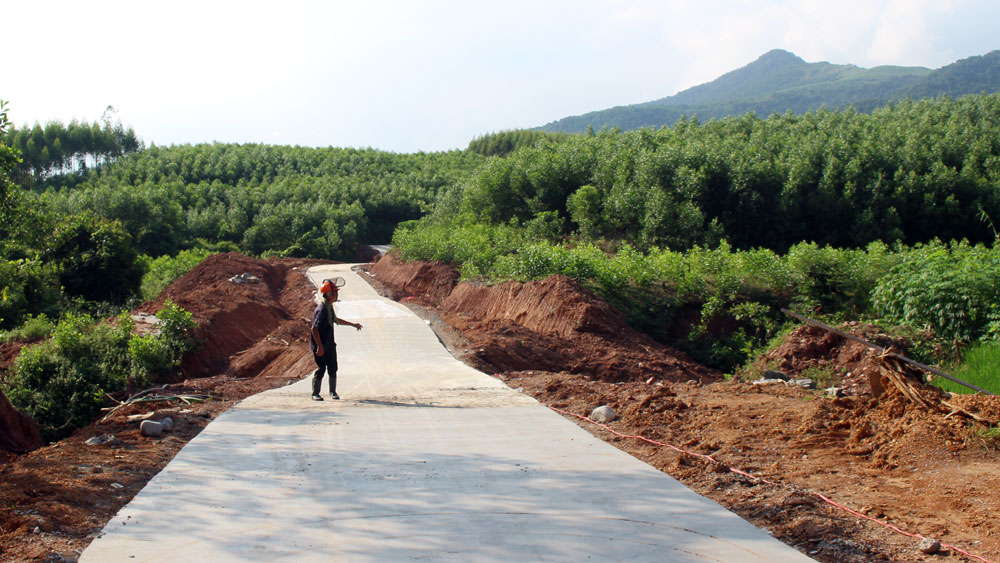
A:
{"points": [[780, 81]]}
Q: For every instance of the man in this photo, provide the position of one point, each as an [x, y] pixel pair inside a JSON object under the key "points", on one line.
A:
{"points": [[321, 343]]}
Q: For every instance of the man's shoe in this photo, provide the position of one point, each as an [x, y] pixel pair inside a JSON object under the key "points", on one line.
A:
{"points": [[334, 396], [317, 398]]}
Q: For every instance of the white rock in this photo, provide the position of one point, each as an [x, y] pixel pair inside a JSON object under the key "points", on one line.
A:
{"points": [[930, 546], [151, 428], [98, 440], [603, 413]]}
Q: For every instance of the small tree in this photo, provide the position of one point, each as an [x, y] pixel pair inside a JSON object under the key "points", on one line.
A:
{"points": [[585, 210]]}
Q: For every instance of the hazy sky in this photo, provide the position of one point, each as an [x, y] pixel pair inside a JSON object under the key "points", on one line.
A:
{"points": [[409, 75]]}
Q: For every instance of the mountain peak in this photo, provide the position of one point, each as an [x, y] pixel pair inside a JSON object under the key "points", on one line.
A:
{"points": [[779, 81], [778, 57]]}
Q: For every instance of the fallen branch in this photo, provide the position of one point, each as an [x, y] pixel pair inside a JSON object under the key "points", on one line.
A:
{"points": [[926, 396], [150, 396]]}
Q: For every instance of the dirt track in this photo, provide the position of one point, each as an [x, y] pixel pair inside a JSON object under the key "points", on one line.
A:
{"points": [[926, 473]]}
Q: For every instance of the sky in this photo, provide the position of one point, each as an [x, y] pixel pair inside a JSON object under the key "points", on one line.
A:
{"points": [[428, 75]]}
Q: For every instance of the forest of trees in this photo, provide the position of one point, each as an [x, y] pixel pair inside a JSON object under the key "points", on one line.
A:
{"points": [[56, 148], [74, 230], [291, 201], [908, 172]]}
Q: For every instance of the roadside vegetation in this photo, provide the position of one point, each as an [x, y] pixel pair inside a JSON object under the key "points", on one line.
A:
{"points": [[62, 382]]}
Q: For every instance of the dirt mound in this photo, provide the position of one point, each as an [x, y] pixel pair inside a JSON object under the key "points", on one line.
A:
{"points": [[556, 306], [237, 302], [430, 282], [552, 324], [17, 431], [848, 363]]}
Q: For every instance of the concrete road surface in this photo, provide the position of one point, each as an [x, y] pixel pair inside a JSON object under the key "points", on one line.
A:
{"points": [[424, 458]]}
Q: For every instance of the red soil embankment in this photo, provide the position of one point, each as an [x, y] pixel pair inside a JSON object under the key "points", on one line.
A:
{"points": [[553, 324], [244, 327]]}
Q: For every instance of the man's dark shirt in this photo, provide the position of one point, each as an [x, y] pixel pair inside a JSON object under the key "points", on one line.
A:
{"points": [[323, 322]]}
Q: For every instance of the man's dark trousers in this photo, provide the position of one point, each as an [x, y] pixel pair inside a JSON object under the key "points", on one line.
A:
{"points": [[327, 363]]}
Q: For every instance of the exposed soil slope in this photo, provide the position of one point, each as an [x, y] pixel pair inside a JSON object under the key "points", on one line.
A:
{"points": [[553, 324]]}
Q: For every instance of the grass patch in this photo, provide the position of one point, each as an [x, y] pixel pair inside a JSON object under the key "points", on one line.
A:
{"points": [[980, 366], [33, 327]]}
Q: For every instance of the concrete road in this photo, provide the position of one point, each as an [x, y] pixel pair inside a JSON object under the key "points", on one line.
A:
{"points": [[424, 458]]}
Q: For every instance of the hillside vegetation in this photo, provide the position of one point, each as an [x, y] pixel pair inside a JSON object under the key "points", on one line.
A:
{"points": [[779, 81]]}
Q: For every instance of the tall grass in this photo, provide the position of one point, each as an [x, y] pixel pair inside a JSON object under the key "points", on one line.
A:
{"points": [[980, 366]]}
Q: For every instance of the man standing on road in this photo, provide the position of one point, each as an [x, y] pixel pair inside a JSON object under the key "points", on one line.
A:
{"points": [[321, 343]]}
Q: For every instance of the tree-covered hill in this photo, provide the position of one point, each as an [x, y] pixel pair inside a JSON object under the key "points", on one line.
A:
{"points": [[66, 234], [294, 201], [780, 81]]}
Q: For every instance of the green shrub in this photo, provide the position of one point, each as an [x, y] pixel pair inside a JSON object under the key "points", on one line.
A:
{"points": [[952, 289], [162, 271], [61, 382], [176, 328], [150, 356], [27, 287], [33, 327]]}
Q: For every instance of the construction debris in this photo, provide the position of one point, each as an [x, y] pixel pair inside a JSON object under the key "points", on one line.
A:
{"points": [[899, 376], [245, 277], [151, 396]]}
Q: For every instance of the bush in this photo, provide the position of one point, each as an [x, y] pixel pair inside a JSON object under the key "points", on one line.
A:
{"points": [[176, 327], [33, 327], [27, 287], [162, 271], [61, 382], [150, 355], [952, 289]]}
